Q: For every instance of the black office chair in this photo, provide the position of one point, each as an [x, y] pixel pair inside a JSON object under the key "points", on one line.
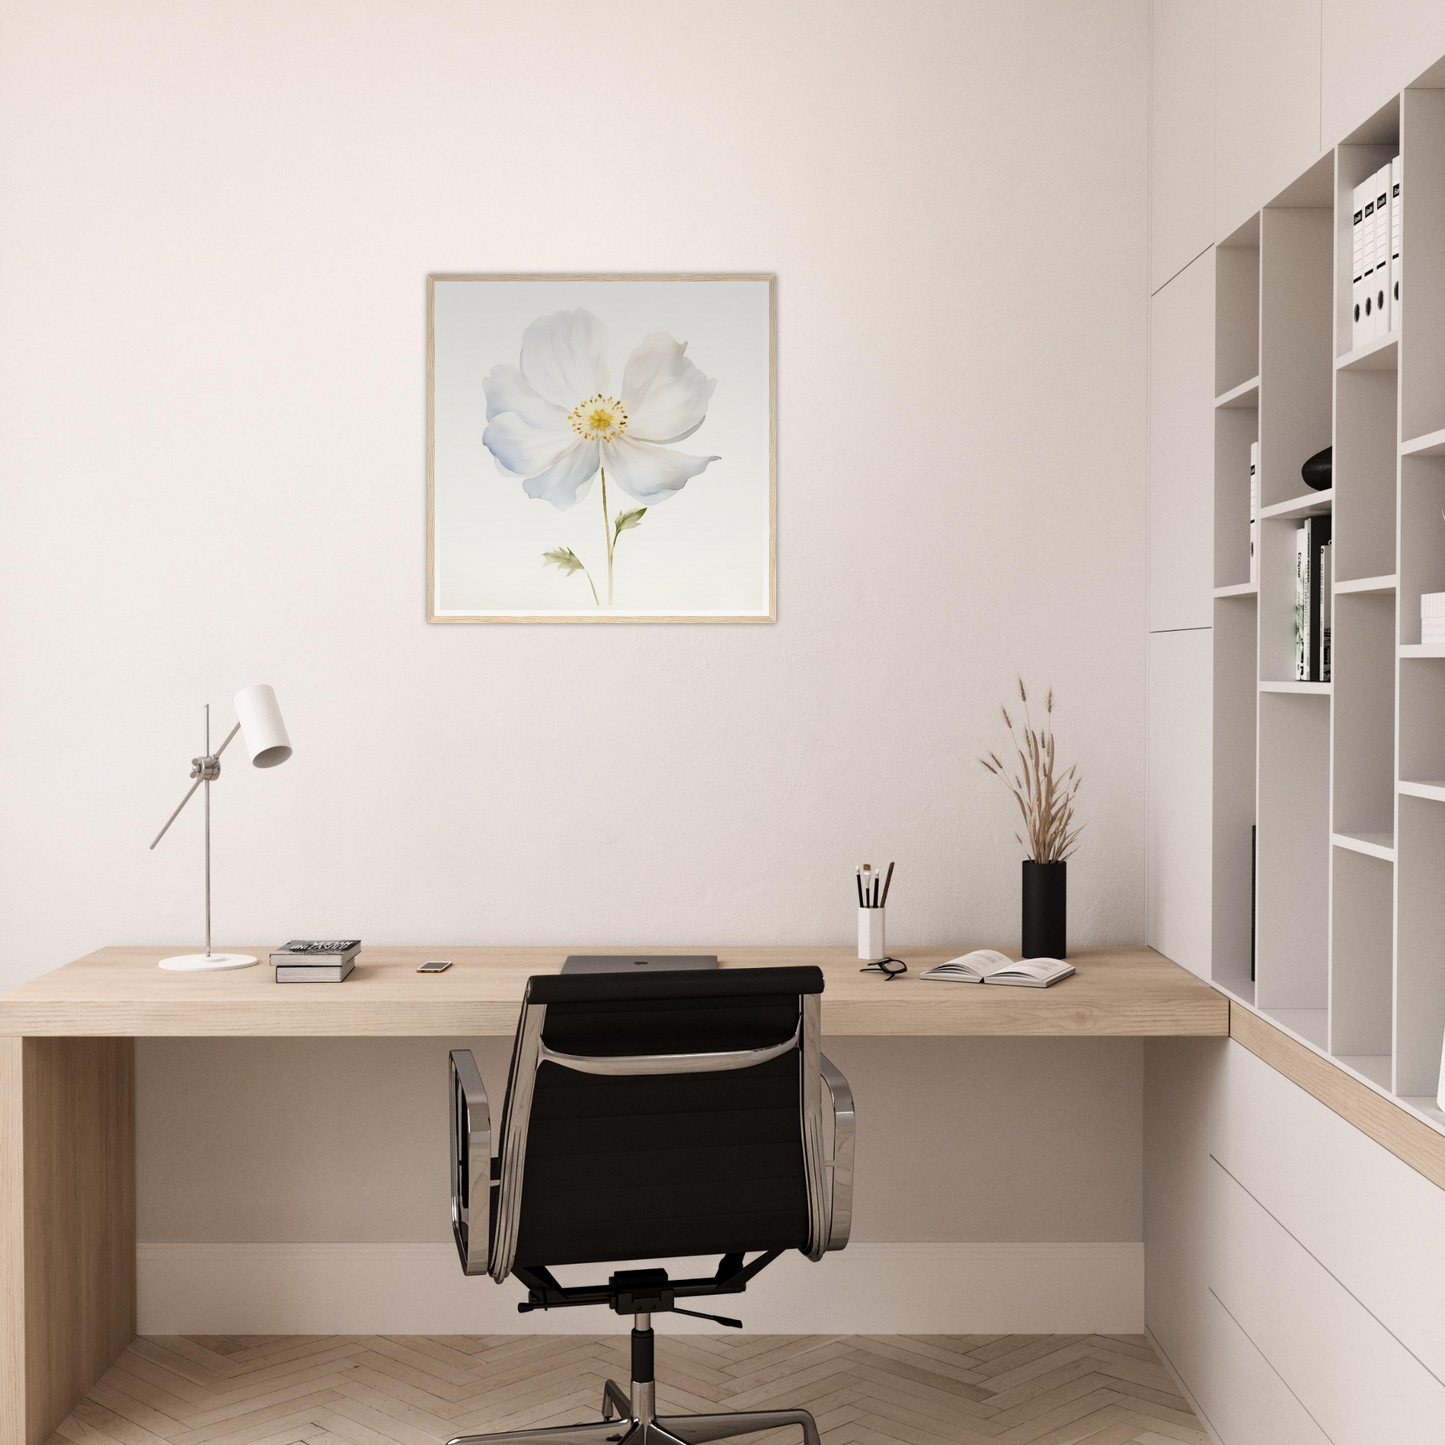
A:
{"points": [[650, 1117]]}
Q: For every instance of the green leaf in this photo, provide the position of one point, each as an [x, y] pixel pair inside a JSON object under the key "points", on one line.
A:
{"points": [[626, 521], [564, 559]]}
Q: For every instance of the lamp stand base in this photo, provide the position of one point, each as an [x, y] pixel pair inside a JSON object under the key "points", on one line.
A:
{"points": [[206, 962]]}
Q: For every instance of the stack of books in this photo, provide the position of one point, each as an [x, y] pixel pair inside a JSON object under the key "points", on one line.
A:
{"points": [[315, 960]]}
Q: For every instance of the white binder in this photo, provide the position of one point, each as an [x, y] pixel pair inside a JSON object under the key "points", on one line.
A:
{"points": [[1396, 225], [1382, 251], [1367, 324], [1357, 268]]}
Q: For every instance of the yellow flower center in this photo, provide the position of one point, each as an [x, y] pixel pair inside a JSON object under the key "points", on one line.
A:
{"points": [[599, 419]]}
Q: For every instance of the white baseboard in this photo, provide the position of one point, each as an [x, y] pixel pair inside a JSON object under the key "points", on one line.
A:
{"points": [[306, 1289]]}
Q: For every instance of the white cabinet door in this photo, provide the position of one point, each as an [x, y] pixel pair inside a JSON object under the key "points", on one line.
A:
{"points": [[1366, 1216], [1181, 134], [1181, 450], [1178, 902], [1358, 1382], [1370, 52], [1246, 1401], [1266, 102]]}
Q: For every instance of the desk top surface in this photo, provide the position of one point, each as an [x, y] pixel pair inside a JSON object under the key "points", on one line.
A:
{"points": [[1122, 992]]}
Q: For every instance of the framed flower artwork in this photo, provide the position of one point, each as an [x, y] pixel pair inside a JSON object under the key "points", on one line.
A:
{"points": [[601, 448]]}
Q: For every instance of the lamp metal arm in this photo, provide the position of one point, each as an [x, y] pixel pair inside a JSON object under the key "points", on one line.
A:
{"points": [[204, 770]]}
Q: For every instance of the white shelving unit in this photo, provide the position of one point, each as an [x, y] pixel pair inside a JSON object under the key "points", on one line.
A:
{"points": [[1344, 781]]}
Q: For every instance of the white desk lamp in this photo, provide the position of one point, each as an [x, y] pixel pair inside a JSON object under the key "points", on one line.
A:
{"points": [[258, 720]]}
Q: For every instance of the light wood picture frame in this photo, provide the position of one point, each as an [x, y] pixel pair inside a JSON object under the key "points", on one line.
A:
{"points": [[645, 389]]}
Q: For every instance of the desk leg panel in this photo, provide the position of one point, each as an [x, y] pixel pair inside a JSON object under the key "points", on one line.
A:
{"points": [[67, 1211]]}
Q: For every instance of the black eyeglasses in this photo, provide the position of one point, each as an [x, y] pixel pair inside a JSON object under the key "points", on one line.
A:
{"points": [[890, 968]]}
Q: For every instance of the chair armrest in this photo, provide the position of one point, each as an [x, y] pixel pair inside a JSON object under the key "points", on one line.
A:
{"points": [[840, 1215], [471, 1129]]}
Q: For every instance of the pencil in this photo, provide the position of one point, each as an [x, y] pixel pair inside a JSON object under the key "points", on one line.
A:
{"points": [[887, 883]]}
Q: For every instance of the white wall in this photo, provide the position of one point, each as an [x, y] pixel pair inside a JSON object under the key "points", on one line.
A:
{"points": [[217, 228], [217, 225]]}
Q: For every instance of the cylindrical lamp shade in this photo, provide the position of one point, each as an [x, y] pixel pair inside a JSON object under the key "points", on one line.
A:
{"points": [[262, 730]]}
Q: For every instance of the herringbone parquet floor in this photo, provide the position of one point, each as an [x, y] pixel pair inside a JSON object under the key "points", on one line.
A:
{"points": [[418, 1390]]}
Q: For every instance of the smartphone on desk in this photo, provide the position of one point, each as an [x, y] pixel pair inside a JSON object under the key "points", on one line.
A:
{"points": [[435, 965]]}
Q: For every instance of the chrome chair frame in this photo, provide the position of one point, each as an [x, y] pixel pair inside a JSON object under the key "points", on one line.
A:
{"points": [[486, 1211]]}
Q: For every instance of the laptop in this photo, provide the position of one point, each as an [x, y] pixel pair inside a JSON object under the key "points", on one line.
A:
{"points": [[637, 962]]}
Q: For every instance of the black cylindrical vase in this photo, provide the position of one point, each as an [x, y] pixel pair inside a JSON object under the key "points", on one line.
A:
{"points": [[1046, 909]]}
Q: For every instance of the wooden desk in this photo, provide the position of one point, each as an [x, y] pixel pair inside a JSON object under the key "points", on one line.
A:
{"points": [[119, 992], [67, 1091]]}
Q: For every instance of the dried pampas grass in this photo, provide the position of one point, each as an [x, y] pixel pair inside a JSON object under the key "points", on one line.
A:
{"points": [[1046, 801]]}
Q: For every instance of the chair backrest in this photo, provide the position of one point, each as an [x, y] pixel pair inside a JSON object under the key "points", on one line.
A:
{"points": [[669, 1114]]}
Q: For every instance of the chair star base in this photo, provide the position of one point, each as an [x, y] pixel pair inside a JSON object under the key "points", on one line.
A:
{"points": [[629, 1419]]}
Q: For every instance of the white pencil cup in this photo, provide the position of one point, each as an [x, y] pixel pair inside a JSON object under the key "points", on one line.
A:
{"points": [[871, 946]]}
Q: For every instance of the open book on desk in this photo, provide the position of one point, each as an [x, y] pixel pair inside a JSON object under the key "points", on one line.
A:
{"points": [[987, 965]]}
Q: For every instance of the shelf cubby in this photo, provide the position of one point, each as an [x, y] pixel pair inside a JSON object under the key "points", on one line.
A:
{"points": [[1420, 962], [1236, 314], [1422, 252], [1236, 706], [1296, 324], [1235, 429], [1365, 459], [1422, 720], [1362, 902], [1294, 852], [1422, 537], [1364, 703]]}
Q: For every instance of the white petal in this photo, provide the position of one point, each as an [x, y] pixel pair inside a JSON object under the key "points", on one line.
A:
{"points": [[564, 357], [523, 449], [666, 396], [508, 390], [569, 480], [647, 472]]}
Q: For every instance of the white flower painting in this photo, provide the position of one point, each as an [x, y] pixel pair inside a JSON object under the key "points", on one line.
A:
{"points": [[559, 489]]}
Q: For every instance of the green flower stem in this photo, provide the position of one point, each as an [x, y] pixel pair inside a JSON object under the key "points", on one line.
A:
{"points": [[588, 576], [607, 533]]}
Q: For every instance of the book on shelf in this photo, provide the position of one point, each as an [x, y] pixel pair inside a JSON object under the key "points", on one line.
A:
{"points": [[988, 965], [1301, 606], [1254, 513], [1326, 606], [1310, 610], [1253, 892]]}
